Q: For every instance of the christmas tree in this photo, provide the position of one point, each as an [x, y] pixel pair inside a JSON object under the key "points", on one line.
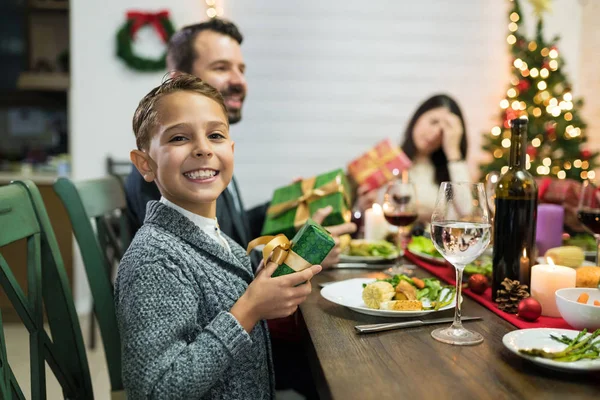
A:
{"points": [[541, 91]]}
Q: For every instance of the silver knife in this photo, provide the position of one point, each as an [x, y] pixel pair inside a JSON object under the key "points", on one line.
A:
{"points": [[407, 324]]}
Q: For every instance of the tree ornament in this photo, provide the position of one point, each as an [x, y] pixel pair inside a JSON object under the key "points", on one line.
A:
{"points": [[540, 7], [126, 34], [529, 309], [523, 85], [478, 283], [551, 131], [586, 154], [531, 151], [508, 298]]}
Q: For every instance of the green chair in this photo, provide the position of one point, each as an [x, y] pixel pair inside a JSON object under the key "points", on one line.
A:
{"points": [[98, 200], [23, 216]]}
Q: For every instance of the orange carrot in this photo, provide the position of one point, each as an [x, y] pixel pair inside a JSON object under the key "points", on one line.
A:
{"points": [[583, 298], [418, 283], [596, 303]]}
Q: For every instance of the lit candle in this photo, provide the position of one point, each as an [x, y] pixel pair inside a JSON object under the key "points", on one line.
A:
{"points": [[525, 269], [546, 280], [376, 227]]}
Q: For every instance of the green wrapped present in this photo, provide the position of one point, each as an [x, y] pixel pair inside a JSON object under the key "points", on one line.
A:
{"points": [[292, 205], [308, 247]]}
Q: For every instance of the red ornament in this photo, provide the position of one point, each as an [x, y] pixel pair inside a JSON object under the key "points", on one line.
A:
{"points": [[532, 151], [586, 154], [529, 309], [551, 131], [523, 85], [478, 283]]}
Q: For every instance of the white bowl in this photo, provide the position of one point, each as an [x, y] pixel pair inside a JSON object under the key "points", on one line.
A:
{"points": [[579, 315]]}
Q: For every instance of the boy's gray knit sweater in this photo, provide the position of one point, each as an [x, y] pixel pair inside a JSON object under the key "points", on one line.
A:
{"points": [[173, 293]]}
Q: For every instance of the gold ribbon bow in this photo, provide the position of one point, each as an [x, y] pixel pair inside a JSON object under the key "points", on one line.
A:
{"points": [[374, 161], [309, 194], [279, 249]]}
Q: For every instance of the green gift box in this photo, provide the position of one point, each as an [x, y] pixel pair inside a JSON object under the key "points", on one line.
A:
{"points": [[292, 205], [312, 243]]}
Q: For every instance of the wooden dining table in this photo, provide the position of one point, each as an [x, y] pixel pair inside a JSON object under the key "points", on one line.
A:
{"points": [[409, 364]]}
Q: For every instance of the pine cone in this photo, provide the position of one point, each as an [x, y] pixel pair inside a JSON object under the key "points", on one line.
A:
{"points": [[508, 298]]}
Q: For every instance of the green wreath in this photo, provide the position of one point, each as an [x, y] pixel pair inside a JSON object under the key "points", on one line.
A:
{"points": [[126, 33]]}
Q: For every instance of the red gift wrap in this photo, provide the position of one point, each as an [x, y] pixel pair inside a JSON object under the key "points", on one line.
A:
{"points": [[379, 165]]}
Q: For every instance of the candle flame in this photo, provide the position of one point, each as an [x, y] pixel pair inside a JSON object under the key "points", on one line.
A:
{"points": [[524, 253], [377, 209], [550, 261]]}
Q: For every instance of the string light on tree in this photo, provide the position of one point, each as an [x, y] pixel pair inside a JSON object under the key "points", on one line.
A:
{"points": [[540, 90], [213, 10]]}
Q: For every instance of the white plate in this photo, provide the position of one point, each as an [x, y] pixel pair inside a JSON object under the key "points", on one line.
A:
{"points": [[542, 260], [428, 257], [539, 338], [348, 293]]}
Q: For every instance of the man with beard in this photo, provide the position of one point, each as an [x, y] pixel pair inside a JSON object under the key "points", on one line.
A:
{"points": [[211, 51]]}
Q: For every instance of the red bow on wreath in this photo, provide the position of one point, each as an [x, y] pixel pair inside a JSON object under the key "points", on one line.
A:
{"points": [[140, 19]]}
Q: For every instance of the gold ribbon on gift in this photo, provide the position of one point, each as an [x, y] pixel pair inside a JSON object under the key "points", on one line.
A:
{"points": [[279, 249], [373, 161], [309, 194]]}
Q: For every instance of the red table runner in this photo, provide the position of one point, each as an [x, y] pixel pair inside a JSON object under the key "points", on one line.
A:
{"points": [[448, 274]]}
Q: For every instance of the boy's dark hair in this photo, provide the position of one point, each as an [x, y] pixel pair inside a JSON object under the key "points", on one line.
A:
{"points": [[180, 50], [438, 157], [146, 114]]}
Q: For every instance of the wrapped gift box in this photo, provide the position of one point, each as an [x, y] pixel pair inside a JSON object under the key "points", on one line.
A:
{"points": [[312, 244], [379, 165], [292, 205]]}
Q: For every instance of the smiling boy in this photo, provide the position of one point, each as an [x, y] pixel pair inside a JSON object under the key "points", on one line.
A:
{"points": [[190, 311]]}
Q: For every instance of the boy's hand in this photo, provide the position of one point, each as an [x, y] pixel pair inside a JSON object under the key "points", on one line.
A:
{"points": [[269, 298], [336, 231]]}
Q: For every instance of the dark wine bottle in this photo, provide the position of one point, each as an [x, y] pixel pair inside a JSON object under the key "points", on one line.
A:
{"points": [[515, 216]]}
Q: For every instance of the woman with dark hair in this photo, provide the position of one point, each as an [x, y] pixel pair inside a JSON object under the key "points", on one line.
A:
{"points": [[436, 142]]}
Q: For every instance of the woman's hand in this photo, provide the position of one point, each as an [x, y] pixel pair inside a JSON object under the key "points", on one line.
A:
{"points": [[452, 132], [268, 298]]}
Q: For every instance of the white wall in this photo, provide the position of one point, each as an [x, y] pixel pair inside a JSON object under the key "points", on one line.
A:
{"points": [[327, 79], [104, 92]]}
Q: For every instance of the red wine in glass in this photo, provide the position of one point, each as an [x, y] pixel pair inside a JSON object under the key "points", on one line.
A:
{"points": [[401, 218], [588, 211], [591, 219]]}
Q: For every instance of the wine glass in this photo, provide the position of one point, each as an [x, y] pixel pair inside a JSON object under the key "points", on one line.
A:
{"points": [[460, 230], [400, 209], [588, 212]]}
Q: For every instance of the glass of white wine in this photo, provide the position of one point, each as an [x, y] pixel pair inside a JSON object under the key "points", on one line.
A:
{"points": [[460, 230]]}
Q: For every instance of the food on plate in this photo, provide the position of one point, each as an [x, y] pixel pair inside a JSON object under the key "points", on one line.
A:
{"points": [[583, 298], [588, 277], [405, 291], [421, 244], [376, 248], [483, 266], [581, 347], [402, 305], [377, 292], [569, 256], [345, 242], [427, 292], [585, 241]]}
